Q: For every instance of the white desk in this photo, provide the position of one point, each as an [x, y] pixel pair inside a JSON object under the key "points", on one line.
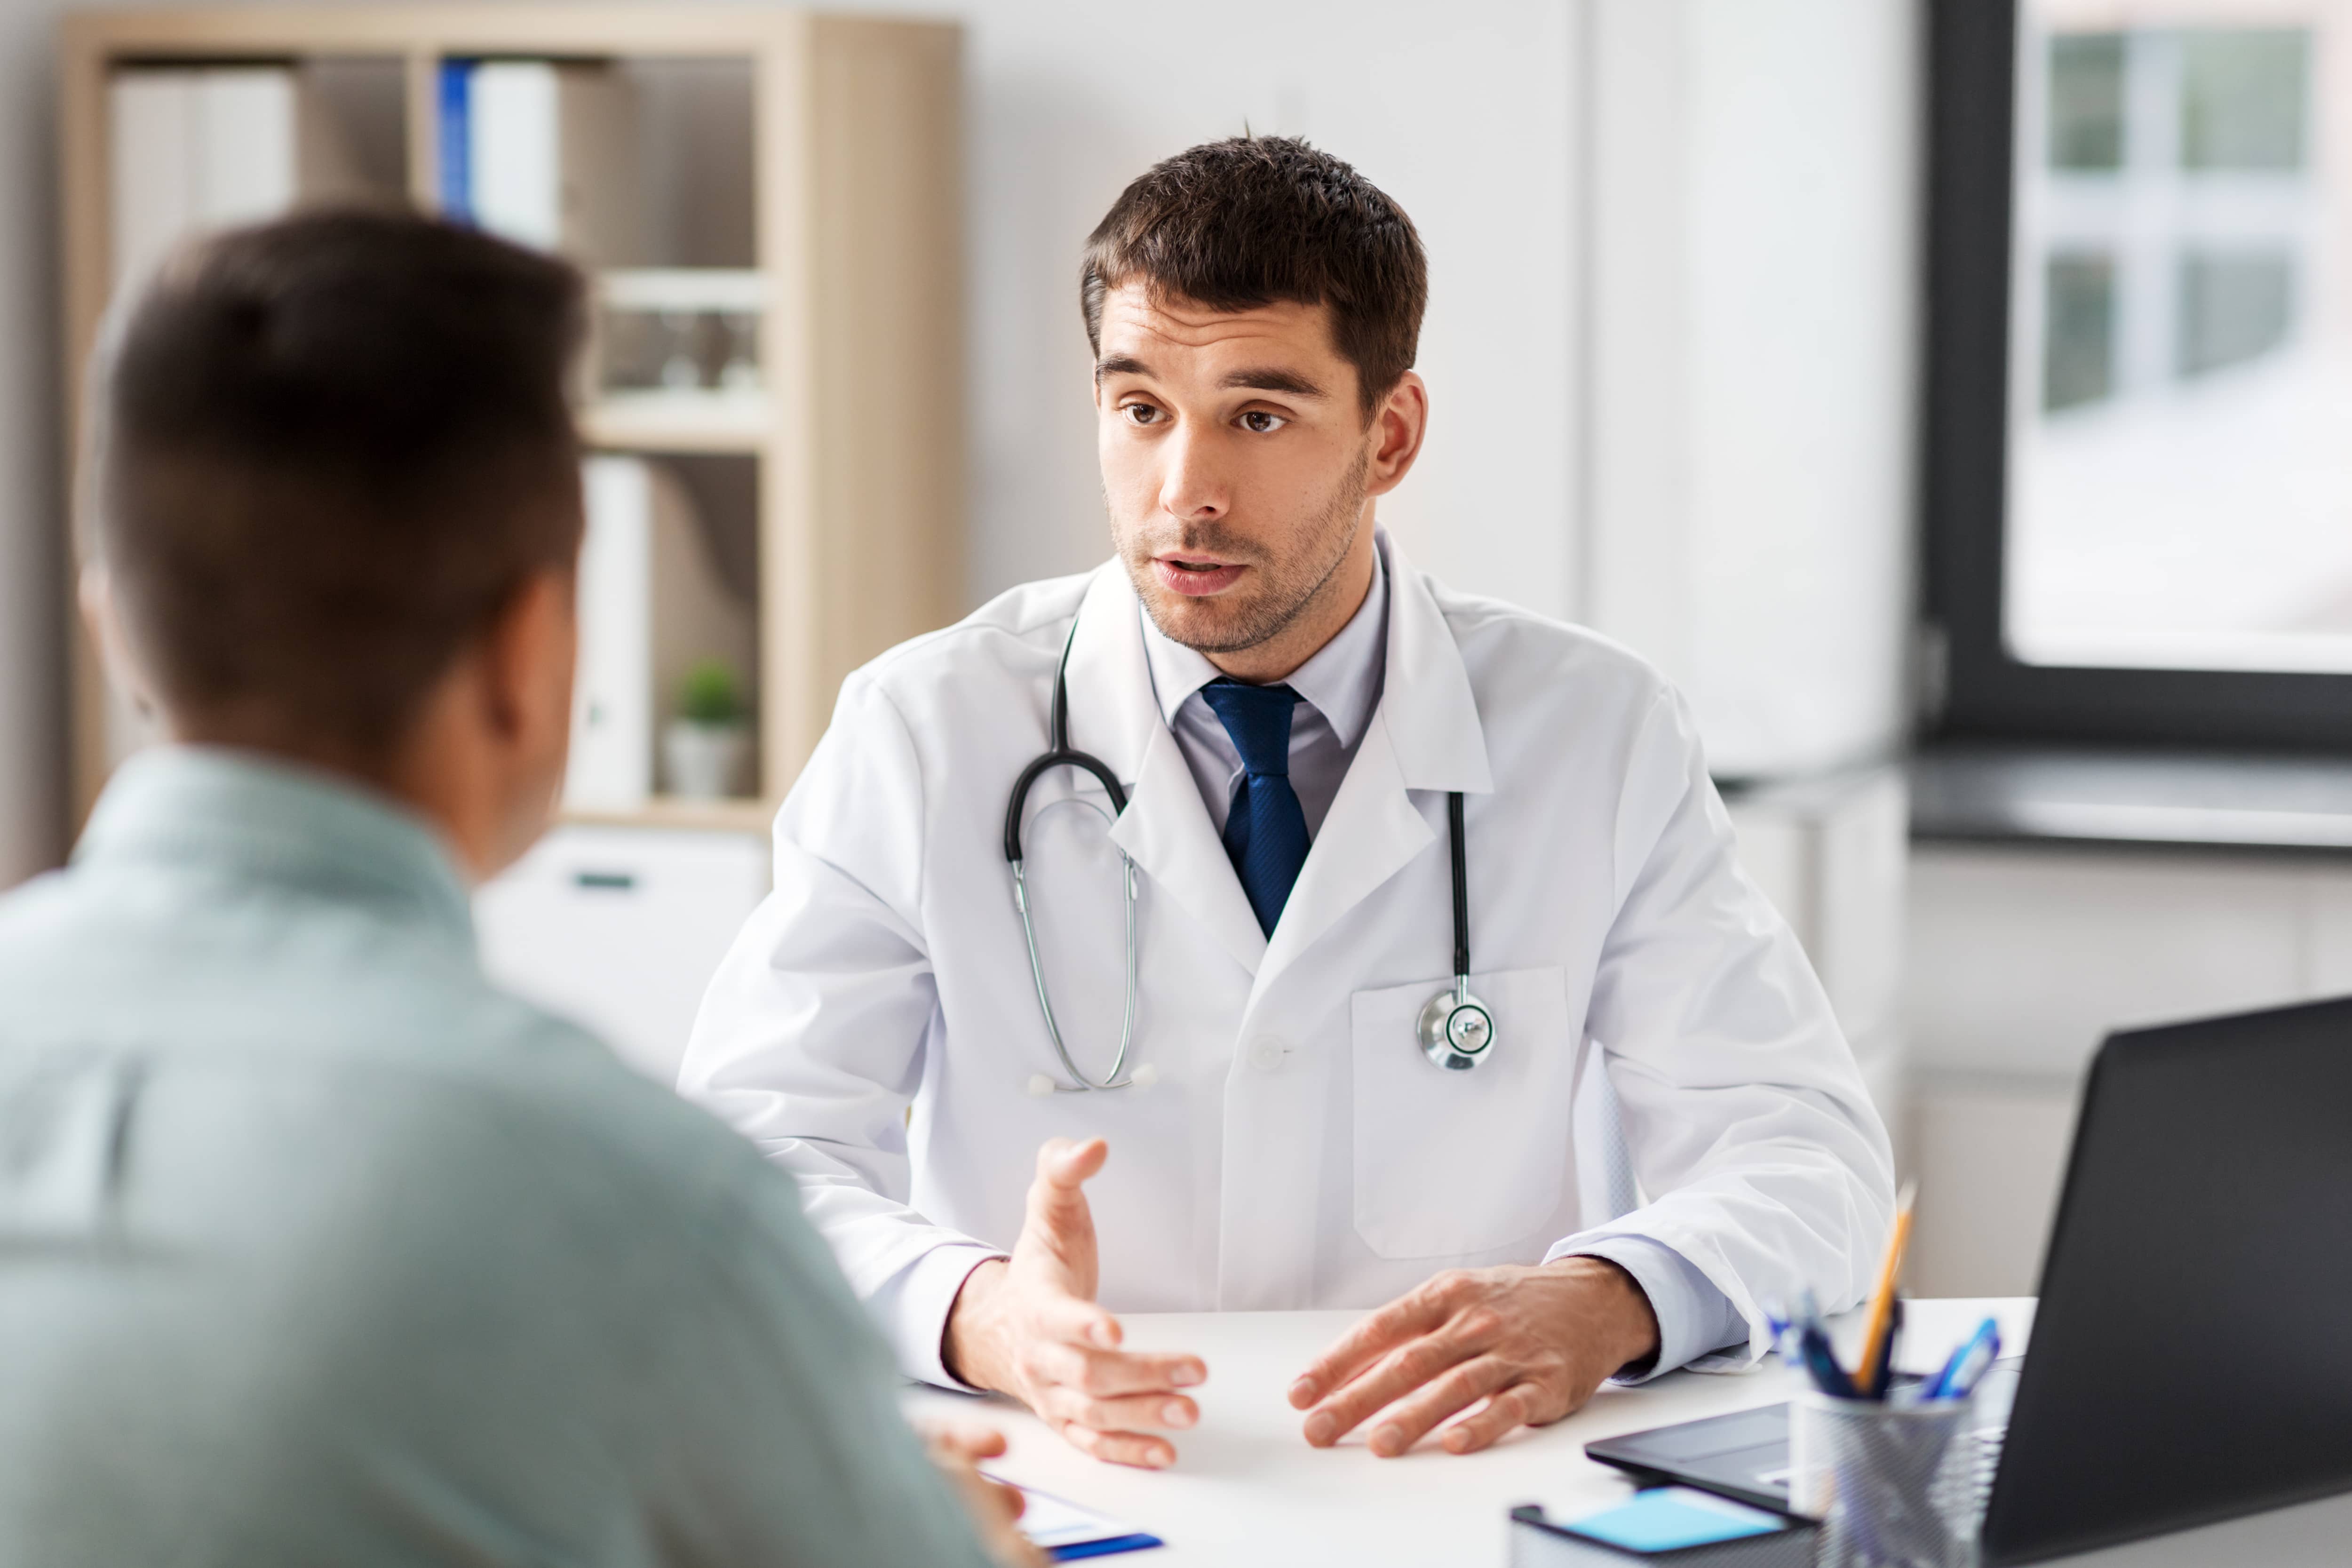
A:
{"points": [[1247, 1491]]}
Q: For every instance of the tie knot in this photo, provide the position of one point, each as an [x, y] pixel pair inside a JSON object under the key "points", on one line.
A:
{"points": [[1257, 717]]}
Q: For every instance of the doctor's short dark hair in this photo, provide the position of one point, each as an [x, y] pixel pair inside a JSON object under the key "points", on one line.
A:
{"points": [[1246, 222], [326, 452]]}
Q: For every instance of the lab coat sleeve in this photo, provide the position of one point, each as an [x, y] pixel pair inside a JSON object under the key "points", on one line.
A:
{"points": [[1767, 1166], [1694, 1317], [810, 1039]]}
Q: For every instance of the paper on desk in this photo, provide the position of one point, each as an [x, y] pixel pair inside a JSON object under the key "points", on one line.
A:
{"points": [[1066, 1533]]}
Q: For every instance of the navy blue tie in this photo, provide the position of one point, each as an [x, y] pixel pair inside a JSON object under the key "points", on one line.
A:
{"points": [[1265, 831]]}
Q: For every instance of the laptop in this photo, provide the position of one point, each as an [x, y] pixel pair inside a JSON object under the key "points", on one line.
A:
{"points": [[2189, 1361]]}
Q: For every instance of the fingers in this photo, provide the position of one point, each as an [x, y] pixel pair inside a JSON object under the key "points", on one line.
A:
{"points": [[1106, 1372], [1121, 1412], [993, 1505], [1134, 1448], [1413, 1313], [1073, 1319], [962, 1439], [1456, 1390], [1057, 1233], [1399, 1373], [1065, 1164], [1511, 1408]]}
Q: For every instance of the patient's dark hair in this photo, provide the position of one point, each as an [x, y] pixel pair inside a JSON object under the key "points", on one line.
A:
{"points": [[328, 451], [1237, 224]]}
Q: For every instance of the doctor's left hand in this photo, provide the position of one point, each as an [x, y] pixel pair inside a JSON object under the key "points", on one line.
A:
{"points": [[1030, 1327], [1532, 1343]]}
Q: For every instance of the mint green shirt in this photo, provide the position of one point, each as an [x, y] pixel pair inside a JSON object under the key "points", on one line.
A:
{"points": [[315, 1248]]}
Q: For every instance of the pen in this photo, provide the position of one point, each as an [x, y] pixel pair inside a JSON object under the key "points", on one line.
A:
{"points": [[1822, 1364], [1882, 1300], [1968, 1363], [1878, 1370]]}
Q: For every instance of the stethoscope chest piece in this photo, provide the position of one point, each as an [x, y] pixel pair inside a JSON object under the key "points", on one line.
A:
{"points": [[1455, 1029]]}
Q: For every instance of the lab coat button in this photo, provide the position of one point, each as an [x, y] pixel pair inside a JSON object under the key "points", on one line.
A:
{"points": [[1266, 1053]]}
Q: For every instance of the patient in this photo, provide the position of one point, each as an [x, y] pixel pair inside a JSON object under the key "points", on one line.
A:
{"points": [[313, 1247]]}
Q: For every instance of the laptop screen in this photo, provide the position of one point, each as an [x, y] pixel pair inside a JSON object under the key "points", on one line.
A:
{"points": [[2190, 1360]]}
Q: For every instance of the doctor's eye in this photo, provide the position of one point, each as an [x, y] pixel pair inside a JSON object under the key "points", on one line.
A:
{"points": [[1258, 422], [1143, 412]]}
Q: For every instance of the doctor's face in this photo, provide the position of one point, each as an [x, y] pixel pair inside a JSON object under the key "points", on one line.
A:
{"points": [[1240, 468]]}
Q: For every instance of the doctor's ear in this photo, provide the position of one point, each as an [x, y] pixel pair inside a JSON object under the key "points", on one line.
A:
{"points": [[1395, 434]]}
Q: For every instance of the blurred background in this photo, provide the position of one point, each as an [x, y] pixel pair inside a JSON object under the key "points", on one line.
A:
{"points": [[1954, 397]]}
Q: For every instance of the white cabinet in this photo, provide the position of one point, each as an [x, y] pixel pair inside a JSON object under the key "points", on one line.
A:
{"points": [[2022, 959], [620, 929], [1831, 853]]}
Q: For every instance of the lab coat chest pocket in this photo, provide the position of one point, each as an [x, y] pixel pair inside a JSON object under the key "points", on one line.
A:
{"points": [[1450, 1163]]}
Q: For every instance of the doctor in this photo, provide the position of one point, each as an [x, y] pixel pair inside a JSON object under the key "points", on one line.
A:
{"points": [[1308, 752]]}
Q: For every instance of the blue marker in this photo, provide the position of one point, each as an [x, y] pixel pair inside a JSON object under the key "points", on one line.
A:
{"points": [[1968, 1364], [1822, 1363]]}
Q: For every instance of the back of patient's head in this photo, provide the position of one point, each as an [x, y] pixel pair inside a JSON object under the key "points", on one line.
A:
{"points": [[328, 451]]}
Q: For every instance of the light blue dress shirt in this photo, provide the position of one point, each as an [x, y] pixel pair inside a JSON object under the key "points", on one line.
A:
{"points": [[316, 1248], [1339, 689]]}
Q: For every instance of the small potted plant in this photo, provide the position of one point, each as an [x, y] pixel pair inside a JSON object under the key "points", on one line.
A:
{"points": [[708, 744]]}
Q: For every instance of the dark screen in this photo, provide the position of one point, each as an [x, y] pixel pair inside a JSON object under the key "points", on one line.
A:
{"points": [[2191, 1360]]}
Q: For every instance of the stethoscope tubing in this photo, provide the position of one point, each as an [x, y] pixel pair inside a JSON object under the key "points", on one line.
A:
{"points": [[1060, 753]]}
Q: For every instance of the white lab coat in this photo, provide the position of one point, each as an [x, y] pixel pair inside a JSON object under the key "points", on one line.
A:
{"points": [[1298, 1149]]}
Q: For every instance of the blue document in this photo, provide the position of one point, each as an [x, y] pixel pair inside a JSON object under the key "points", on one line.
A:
{"points": [[1066, 1533]]}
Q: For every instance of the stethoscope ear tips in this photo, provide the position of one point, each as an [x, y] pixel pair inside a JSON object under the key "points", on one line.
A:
{"points": [[1143, 1076]]}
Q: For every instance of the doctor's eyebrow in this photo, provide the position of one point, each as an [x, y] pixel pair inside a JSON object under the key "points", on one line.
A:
{"points": [[1253, 379], [1271, 380]]}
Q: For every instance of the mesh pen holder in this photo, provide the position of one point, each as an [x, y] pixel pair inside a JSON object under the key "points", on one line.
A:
{"points": [[1894, 1485]]}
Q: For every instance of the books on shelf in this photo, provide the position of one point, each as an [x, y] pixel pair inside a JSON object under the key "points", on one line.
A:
{"points": [[545, 153], [195, 148], [652, 603]]}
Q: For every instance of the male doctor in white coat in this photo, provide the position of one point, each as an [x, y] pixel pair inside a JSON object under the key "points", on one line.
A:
{"points": [[1289, 709]]}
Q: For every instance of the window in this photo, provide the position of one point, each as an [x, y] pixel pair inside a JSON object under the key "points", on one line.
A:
{"points": [[2140, 389]]}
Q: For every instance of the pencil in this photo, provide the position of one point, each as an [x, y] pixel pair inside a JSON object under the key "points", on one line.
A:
{"points": [[1882, 1301]]}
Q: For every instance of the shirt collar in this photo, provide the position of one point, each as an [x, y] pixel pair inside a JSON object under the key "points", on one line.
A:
{"points": [[1342, 680], [270, 818]]}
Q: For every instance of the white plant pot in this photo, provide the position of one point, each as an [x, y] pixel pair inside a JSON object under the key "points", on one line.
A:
{"points": [[706, 762]]}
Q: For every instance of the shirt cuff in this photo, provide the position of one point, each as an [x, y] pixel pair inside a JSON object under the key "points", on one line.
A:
{"points": [[1694, 1317], [911, 1309]]}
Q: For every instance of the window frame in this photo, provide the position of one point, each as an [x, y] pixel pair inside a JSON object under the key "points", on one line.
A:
{"points": [[1976, 689]]}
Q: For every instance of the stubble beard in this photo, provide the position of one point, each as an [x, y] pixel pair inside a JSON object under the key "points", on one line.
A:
{"points": [[1285, 591]]}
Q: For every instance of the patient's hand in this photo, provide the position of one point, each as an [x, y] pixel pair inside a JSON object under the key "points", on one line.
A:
{"points": [[996, 1508], [1532, 1343], [1030, 1328]]}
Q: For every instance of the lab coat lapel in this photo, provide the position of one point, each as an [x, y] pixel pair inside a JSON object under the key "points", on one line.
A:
{"points": [[1424, 735], [1165, 829]]}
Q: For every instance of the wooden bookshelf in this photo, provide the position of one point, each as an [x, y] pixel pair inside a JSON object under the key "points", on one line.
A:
{"points": [[855, 222]]}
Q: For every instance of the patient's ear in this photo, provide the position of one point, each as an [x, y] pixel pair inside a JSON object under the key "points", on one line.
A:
{"points": [[528, 657], [102, 617]]}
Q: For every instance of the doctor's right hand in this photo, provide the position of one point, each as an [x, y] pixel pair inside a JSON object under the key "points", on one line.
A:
{"points": [[1029, 1327]]}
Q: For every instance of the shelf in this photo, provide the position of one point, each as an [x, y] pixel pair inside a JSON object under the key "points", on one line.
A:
{"points": [[682, 289], [678, 421], [668, 811]]}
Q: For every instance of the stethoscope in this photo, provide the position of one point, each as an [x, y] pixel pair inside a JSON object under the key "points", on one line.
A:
{"points": [[1456, 1031]]}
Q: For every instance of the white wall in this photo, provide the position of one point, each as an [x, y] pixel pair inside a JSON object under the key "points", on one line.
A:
{"points": [[1460, 111], [1754, 215]]}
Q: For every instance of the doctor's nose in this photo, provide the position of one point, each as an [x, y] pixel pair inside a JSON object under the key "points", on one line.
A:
{"points": [[1192, 487]]}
